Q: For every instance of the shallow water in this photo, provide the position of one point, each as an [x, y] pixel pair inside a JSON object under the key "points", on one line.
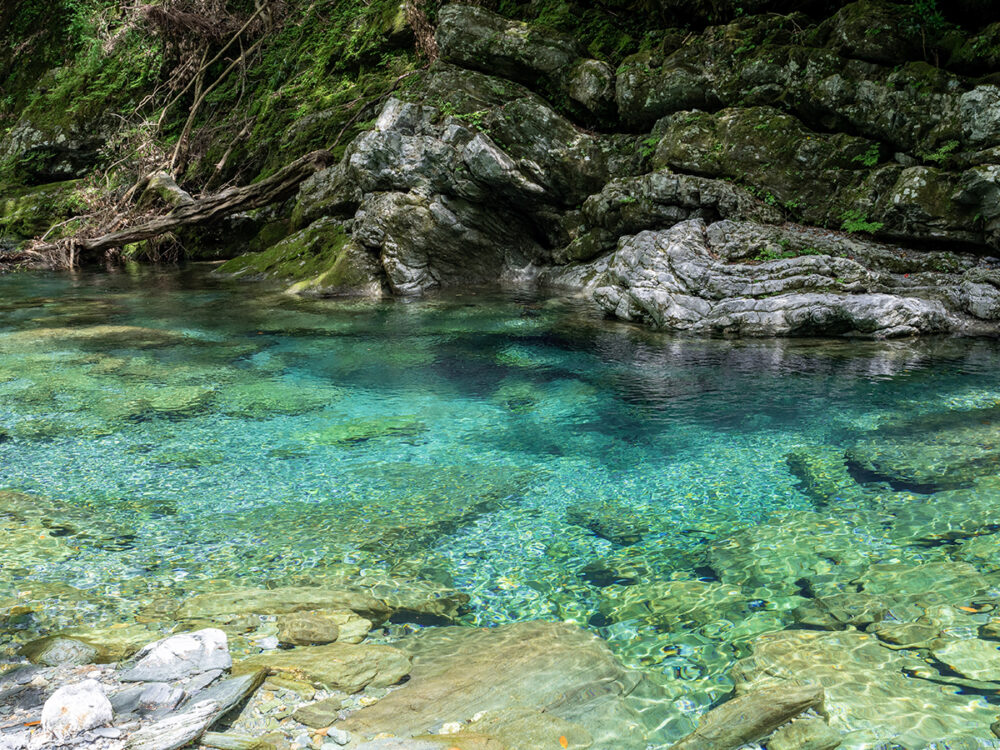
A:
{"points": [[267, 440]]}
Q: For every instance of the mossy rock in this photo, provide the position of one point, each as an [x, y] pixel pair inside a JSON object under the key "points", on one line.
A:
{"points": [[29, 211], [357, 431], [321, 260], [263, 399]]}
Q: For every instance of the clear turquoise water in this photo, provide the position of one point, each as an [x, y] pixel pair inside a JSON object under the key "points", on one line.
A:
{"points": [[443, 438]]}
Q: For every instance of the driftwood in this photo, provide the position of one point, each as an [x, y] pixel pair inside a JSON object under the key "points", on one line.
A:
{"points": [[202, 211]]}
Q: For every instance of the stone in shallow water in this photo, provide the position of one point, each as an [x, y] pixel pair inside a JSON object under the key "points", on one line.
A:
{"points": [[970, 511], [972, 658], [619, 523], [805, 734], [54, 651], [555, 668], [285, 601], [751, 717], [792, 546], [76, 708], [337, 666], [933, 452], [867, 691], [357, 431], [181, 656], [305, 629], [668, 604]]}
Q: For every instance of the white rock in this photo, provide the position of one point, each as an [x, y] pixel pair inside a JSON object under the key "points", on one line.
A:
{"points": [[340, 736], [73, 709], [181, 656]]}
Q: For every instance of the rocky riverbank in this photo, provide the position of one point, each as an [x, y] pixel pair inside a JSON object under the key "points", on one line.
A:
{"points": [[774, 174], [700, 226]]}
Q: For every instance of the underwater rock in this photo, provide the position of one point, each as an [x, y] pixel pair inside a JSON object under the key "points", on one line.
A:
{"points": [[867, 692], [337, 666], [413, 600], [905, 634], [751, 716], [285, 601], [180, 656], [74, 709], [972, 658], [668, 604], [840, 610], [792, 546], [55, 651], [934, 452], [617, 522], [560, 670], [99, 338], [970, 512], [822, 473], [357, 431], [805, 734]]}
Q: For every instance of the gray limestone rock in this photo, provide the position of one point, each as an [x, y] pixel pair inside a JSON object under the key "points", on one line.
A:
{"points": [[180, 656], [676, 279]]}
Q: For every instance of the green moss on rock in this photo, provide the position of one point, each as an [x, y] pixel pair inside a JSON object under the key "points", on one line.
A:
{"points": [[321, 259]]}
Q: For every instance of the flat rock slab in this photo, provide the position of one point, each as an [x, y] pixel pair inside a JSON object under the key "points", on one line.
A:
{"points": [[337, 666], [459, 673], [197, 716], [972, 658], [285, 601], [751, 717], [181, 656]]}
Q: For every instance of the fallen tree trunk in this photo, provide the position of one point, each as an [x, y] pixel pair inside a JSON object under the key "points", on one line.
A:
{"points": [[202, 211]]}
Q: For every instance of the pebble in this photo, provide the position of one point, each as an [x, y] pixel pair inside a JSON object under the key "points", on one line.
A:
{"points": [[339, 736]]}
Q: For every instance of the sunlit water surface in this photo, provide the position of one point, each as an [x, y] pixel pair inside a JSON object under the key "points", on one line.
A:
{"points": [[258, 439]]}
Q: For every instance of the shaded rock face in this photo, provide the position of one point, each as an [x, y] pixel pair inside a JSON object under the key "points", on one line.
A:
{"points": [[546, 679], [475, 38]]}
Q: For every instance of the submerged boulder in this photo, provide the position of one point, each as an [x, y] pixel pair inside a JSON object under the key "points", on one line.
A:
{"points": [[547, 679], [932, 452], [337, 666], [868, 695]]}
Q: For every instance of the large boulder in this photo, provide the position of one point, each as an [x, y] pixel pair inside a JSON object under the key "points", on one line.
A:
{"points": [[679, 279], [547, 679]]}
